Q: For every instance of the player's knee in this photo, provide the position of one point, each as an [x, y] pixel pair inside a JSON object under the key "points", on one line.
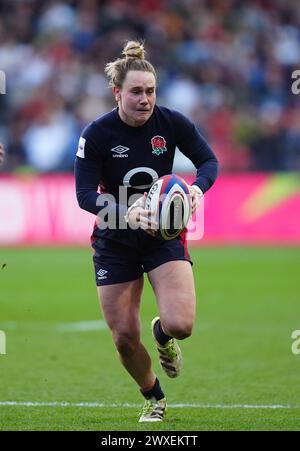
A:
{"points": [[179, 329], [126, 343]]}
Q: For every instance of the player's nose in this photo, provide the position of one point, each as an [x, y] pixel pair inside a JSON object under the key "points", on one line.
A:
{"points": [[144, 99]]}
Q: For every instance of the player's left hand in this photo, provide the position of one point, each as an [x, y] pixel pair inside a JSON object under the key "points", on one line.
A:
{"points": [[196, 194]]}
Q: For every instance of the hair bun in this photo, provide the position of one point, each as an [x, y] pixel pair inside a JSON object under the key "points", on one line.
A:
{"points": [[134, 49]]}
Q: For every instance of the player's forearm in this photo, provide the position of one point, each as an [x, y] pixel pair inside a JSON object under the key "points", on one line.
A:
{"points": [[102, 205], [207, 173], [87, 181], [87, 200]]}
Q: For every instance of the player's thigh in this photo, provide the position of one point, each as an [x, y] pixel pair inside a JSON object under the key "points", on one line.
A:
{"points": [[174, 288], [120, 304]]}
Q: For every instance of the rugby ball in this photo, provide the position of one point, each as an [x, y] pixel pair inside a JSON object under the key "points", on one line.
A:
{"points": [[169, 199]]}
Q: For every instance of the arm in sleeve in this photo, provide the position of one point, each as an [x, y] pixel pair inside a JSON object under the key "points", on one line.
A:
{"points": [[87, 182], [88, 173], [193, 145]]}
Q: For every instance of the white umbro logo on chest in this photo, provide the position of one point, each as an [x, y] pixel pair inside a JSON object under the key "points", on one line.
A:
{"points": [[119, 151]]}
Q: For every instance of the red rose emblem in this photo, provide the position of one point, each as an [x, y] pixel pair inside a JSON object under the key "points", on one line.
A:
{"points": [[158, 144], [158, 141]]}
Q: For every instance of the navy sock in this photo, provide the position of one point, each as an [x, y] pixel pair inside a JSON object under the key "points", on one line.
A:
{"points": [[155, 392], [160, 336]]}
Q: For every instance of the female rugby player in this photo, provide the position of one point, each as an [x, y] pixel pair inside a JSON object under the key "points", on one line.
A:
{"points": [[122, 153]]}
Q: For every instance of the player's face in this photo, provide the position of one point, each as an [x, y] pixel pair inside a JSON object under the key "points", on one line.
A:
{"points": [[136, 98]]}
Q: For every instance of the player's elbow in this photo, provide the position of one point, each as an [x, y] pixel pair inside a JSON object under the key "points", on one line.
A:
{"points": [[81, 200], [84, 201]]}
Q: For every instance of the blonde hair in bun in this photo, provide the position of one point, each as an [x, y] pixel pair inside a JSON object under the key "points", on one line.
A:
{"points": [[134, 49], [133, 58]]}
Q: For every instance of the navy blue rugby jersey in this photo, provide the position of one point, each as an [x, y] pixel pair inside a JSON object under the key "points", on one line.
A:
{"points": [[112, 154]]}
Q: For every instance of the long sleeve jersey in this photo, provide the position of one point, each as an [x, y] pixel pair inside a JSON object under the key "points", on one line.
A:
{"points": [[120, 160]]}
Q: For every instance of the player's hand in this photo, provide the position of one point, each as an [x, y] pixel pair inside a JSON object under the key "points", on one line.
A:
{"points": [[196, 194], [138, 217], [2, 153]]}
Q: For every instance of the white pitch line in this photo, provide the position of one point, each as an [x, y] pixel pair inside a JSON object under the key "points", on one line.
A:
{"points": [[180, 406], [82, 326], [36, 326]]}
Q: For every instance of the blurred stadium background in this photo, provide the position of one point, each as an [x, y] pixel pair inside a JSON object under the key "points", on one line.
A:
{"points": [[228, 66]]}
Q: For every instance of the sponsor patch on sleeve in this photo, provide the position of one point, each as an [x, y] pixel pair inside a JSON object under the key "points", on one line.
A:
{"points": [[81, 145]]}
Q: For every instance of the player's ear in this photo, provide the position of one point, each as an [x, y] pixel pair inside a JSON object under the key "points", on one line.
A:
{"points": [[116, 93]]}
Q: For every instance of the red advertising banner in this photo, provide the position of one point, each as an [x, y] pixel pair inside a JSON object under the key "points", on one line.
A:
{"points": [[253, 209], [239, 209]]}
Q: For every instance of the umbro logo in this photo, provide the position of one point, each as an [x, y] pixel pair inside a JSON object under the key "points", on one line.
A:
{"points": [[101, 274], [119, 151]]}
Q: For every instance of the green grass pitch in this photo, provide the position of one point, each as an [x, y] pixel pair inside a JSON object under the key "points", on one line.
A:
{"points": [[239, 370]]}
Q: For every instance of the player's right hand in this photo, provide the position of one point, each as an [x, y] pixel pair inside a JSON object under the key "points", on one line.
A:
{"points": [[138, 217]]}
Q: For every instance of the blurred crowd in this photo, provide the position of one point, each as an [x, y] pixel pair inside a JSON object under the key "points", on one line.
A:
{"points": [[226, 64]]}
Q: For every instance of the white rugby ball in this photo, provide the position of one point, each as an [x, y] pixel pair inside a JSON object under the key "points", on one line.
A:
{"points": [[169, 199]]}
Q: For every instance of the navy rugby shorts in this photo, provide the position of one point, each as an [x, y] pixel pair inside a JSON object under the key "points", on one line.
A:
{"points": [[124, 255]]}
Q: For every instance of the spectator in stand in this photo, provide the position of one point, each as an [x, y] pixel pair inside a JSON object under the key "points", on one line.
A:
{"points": [[214, 55]]}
